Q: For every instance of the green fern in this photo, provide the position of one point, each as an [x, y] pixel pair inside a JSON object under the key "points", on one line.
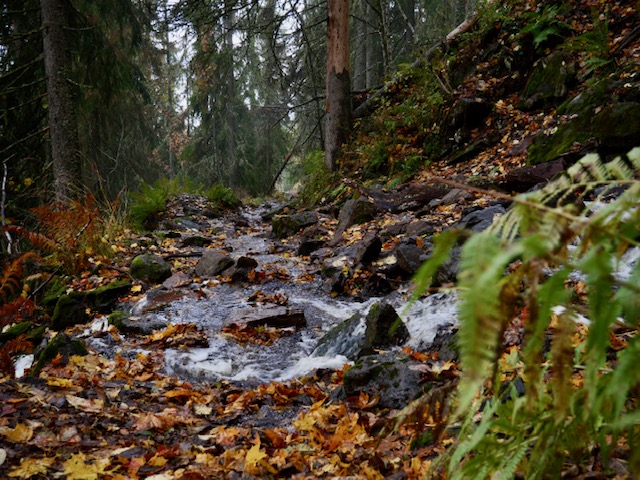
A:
{"points": [[568, 226]]}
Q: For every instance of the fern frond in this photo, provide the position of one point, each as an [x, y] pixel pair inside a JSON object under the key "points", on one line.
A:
{"points": [[38, 240], [10, 281], [563, 199]]}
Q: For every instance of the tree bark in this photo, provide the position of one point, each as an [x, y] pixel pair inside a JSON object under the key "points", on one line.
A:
{"points": [[338, 118], [63, 123]]}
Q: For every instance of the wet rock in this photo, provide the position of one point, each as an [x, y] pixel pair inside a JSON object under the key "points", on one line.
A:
{"points": [[158, 299], [69, 310], [104, 298], [269, 316], [195, 241], [284, 226], [550, 81], [445, 343], [395, 229], [448, 271], [409, 257], [354, 212], [212, 263], [387, 376], [455, 195], [62, 345], [358, 335], [135, 325], [384, 327], [525, 178], [377, 285], [420, 228], [240, 271], [150, 268], [177, 280], [481, 219], [184, 224], [308, 246], [367, 249]]}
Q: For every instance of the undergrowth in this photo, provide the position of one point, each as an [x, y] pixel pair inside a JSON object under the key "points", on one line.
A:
{"points": [[151, 200], [553, 255]]}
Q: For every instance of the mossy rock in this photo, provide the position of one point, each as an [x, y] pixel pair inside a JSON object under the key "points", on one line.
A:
{"points": [[384, 327], [62, 345], [68, 311], [150, 268], [117, 319], [550, 81], [103, 297], [57, 288], [547, 148], [617, 126], [14, 331]]}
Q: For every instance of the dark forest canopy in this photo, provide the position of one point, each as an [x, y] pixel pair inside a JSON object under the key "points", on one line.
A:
{"points": [[214, 91]]}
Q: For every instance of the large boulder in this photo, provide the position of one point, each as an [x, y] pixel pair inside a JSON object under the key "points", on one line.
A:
{"points": [[213, 263], [354, 212], [150, 268], [480, 220], [358, 335], [284, 226]]}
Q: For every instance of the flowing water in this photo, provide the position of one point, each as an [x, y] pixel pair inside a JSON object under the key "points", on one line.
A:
{"points": [[291, 355]]}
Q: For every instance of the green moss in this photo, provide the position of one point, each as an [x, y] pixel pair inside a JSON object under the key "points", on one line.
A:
{"points": [[106, 294], [62, 345], [117, 319], [14, 331]]}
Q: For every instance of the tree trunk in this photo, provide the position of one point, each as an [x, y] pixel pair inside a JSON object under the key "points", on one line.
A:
{"points": [[338, 119], [361, 34], [234, 168], [63, 123]]}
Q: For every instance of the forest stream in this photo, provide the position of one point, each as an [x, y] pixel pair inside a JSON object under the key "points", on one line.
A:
{"points": [[293, 293]]}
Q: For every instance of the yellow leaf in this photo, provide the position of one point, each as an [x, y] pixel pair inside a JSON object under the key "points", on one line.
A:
{"points": [[20, 434], [136, 288], [80, 467], [60, 382], [254, 455], [30, 467], [157, 461]]}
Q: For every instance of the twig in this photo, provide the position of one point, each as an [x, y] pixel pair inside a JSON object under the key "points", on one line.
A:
{"points": [[2, 206]]}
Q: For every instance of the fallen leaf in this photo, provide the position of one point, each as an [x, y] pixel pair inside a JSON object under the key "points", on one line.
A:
{"points": [[30, 467], [86, 404], [254, 455], [20, 434], [81, 467]]}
